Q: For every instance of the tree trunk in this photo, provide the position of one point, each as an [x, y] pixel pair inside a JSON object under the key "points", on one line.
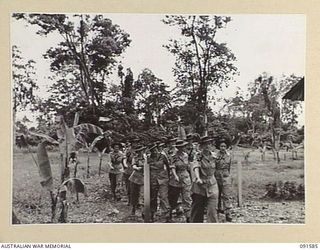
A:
{"points": [[88, 166]]}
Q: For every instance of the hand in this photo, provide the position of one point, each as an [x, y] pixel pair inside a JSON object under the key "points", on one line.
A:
{"points": [[199, 181], [176, 177]]}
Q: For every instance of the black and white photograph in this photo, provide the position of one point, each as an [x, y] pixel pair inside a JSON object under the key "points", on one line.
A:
{"points": [[158, 118]]}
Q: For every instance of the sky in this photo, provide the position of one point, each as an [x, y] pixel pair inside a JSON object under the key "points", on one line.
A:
{"points": [[261, 43]]}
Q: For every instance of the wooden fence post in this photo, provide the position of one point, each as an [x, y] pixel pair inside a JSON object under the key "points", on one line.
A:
{"points": [[239, 174], [88, 163], [147, 215]]}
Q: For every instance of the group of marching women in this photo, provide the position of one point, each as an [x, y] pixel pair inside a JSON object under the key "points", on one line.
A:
{"points": [[191, 170]]}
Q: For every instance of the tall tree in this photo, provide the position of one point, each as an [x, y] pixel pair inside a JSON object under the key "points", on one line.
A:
{"points": [[24, 81], [264, 109], [90, 46], [202, 64], [153, 97], [128, 93], [24, 84]]}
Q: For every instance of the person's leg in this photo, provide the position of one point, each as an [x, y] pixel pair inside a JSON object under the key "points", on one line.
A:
{"points": [[186, 200], [135, 193], [212, 201], [154, 189], [220, 203], [127, 184], [112, 178], [226, 193], [197, 208], [163, 196], [173, 194], [212, 215]]}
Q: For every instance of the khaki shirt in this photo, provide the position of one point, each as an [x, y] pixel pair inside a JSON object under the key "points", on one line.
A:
{"points": [[129, 157], [207, 167], [170, 152], [137, 175], [181, 164], [116, 162], [158, 167], [223, 165]]}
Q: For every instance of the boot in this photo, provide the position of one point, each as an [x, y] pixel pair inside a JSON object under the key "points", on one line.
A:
{"points": [[133, 211], [228, 217], [168, 219], [179, 211], [220, 211], [170, 214]]}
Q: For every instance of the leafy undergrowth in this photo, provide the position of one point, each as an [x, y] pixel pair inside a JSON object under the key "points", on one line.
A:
{"points": [[288, 190], [32, 204]]}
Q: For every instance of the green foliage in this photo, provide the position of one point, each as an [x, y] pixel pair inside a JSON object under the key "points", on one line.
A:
{"points": [[152, 97], [289, 190], [261, 108], [24, 81], [202, 64], [88, 51], [128, 93]]}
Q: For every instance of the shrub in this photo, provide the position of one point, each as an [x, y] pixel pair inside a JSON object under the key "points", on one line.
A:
{"points": [[284, 191]]}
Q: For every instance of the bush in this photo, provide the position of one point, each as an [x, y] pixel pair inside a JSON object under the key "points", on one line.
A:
{"points": [[285, 191]]}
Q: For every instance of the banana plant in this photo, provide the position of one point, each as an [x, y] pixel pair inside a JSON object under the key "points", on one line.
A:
{"points": [[89, 147], [58, 197], [67, 140]]}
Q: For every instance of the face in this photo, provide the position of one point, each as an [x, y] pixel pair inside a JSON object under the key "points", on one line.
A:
{"points": [[116, 148], [223, 147]]}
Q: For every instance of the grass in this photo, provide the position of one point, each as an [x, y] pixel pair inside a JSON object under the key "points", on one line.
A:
{"points": [[257, 174]]}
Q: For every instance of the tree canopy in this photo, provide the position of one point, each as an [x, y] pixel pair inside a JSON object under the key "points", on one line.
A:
{"points": [[202, 63], [88, 77]]}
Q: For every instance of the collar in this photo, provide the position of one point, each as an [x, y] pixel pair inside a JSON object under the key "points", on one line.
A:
{"points": [[220, 154]]}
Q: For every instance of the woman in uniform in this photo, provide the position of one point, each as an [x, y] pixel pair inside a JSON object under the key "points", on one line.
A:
{"points": [[136, 178], [222, 174], [159, 179], [128, 169], [116, 169], [180, 181], [204, 188]]}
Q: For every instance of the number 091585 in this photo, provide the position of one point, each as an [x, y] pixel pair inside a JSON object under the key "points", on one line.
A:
{"points": [[309, 245]]}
